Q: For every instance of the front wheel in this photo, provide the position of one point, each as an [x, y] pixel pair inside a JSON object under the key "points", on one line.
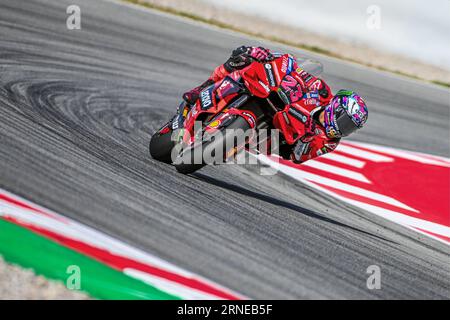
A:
{"points": [[161, 146], [188, 163]]}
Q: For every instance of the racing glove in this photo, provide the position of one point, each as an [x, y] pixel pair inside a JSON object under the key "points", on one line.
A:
{"points": [[259, 54], [243, 56]]}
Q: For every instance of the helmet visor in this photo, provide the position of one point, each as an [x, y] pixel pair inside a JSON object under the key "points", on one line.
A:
{"points": [[345, 124]]}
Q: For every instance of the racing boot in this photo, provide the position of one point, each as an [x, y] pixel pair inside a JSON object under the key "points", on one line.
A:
{"points": [[192, 96]]}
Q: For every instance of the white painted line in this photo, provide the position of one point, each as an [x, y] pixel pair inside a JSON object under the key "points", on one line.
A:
{"points": [[411, 223], [336, 170], [168, 286], [363, 154], [343, 199], [414, 156], [302, 175], [343, 159], [81, 233], [404, 219]]}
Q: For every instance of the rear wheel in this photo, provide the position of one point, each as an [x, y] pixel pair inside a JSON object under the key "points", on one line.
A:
{"points": [[187, 163]]}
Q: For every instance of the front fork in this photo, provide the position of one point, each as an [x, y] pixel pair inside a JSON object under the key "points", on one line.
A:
{"points": [[182, 136]]}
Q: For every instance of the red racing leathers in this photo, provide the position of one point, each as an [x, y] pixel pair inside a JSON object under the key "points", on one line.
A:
{"points": [[317, 95], [315, 143]]}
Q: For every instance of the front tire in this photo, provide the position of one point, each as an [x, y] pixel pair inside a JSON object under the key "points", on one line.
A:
{"points": [[185, 163], [161, 146]]}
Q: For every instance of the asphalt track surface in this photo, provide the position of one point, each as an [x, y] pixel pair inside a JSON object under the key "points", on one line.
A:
{"points": [[77, 110]]}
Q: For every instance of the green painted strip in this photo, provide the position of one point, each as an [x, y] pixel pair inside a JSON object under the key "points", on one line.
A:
{"points": [[48, 258]]}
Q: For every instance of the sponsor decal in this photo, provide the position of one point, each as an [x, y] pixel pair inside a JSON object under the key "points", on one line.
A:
{"points": [[177, 122], [206, 98], [331, 145], [214, 124], [227, 87], [237, 64], [292, 89], [287, 64], [310, 101], [316, 85], [305, 76], [284, 64], [311, 98], [301, 149], [264, 86], [269, 74], [312, 94], [283, 96], [224, 84], [297, 114]]}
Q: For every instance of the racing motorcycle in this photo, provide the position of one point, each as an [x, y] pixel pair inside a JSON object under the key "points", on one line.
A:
{"points": [[263, 95]]}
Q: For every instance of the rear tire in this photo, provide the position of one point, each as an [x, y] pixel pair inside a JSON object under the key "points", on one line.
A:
{"points": [[161, 146], [186, 164]]}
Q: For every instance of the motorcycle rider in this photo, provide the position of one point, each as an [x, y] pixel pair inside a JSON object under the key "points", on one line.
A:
{"points": [[331, 117]]}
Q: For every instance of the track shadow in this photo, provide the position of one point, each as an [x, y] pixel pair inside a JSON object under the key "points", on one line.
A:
{"points": [[281, 203]]}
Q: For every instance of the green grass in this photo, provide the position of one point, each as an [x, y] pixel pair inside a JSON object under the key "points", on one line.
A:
{"points": [[441, 83], [299, 45]]}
